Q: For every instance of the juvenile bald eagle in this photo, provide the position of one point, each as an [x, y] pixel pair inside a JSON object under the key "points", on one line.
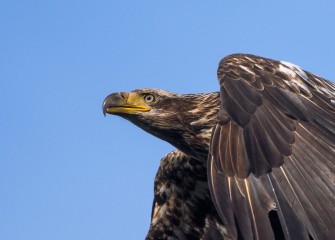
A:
{"points": [[253, 161]]}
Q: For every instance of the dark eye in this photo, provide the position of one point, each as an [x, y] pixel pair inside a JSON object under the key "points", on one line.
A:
{"points": [[149, 98]]}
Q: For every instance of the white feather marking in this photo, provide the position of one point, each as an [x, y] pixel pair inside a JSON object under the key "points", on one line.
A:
{"points": [[297, 77], [247, 187], [199, 121], [293, 70], [247, 69], [229, 187], [248, 58], [159, 212], [205, 133]]}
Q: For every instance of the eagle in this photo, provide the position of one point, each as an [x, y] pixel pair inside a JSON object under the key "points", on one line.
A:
{"points": [[255, 160]]}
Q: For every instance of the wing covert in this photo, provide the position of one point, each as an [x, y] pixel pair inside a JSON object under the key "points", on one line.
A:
{"points": [[275, 131]]}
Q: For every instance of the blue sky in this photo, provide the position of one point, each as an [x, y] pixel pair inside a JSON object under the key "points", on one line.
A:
{"points": [[67, 172]]}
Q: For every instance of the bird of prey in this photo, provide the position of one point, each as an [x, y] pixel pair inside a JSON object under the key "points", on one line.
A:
{"points": [[255, 160]]}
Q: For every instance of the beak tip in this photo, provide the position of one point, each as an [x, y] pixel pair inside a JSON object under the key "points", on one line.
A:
{"points": [[104, 107], [104, 111]]}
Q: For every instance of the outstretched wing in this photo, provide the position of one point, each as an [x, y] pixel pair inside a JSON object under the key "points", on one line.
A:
{"points": [[272, 153], [182, 207]]}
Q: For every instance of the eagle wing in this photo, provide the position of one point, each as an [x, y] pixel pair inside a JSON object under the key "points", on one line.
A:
{"points": [[271, 165]]}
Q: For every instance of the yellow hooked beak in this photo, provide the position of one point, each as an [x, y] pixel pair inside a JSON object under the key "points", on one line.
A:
{"points": [[124, 103]]}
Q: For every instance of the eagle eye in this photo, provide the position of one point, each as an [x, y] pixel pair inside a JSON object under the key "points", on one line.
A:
{"points": [[149, 98]]}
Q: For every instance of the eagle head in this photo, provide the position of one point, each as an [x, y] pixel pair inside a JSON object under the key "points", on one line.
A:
{"points": [[176, 118]]}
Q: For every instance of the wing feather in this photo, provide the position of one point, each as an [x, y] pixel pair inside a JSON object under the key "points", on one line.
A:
{"points": [[272, 153]]}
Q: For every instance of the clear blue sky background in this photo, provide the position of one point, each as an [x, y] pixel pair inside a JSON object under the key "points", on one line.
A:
{"points": [[67, 172]]}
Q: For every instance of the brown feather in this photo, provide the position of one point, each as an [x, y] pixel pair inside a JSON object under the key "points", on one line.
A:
{"points": [[288, 137]]}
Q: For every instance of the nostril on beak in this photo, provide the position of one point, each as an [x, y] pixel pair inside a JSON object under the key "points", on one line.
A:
{"points": [[123, 95]]}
